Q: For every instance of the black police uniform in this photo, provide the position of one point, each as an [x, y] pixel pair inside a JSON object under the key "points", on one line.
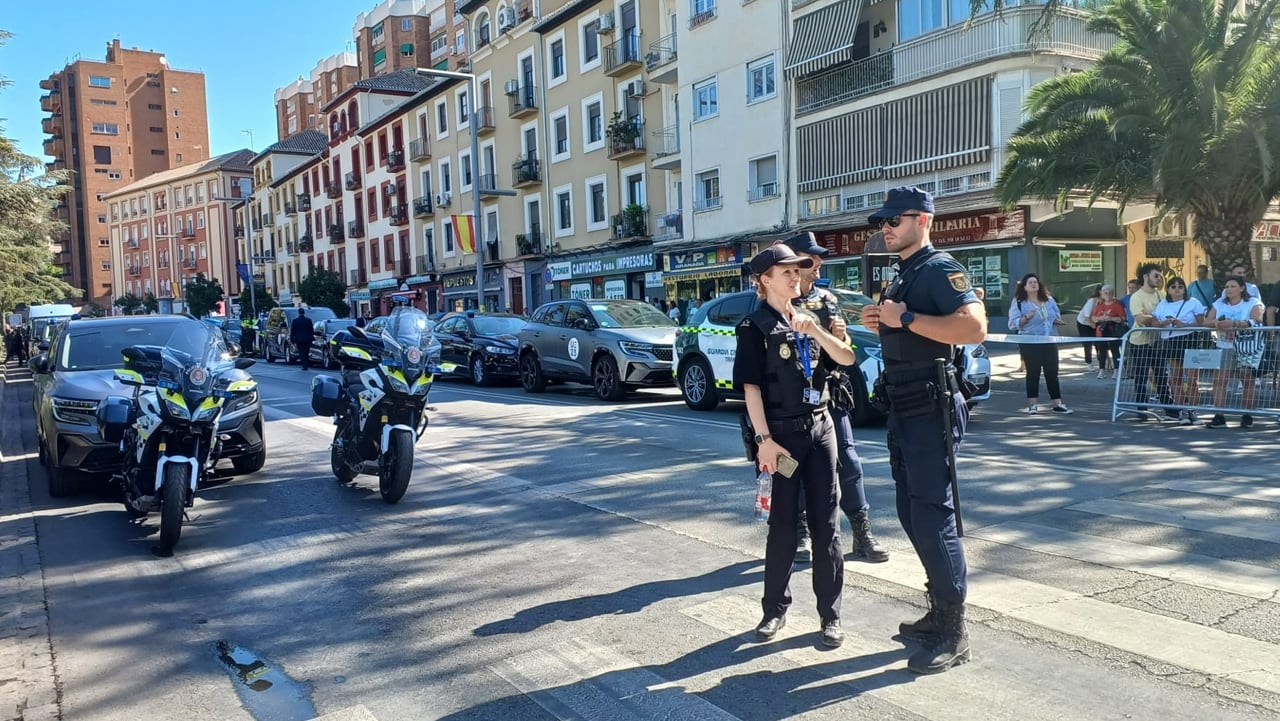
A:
{"points": [[770, 355], [930, 283]]}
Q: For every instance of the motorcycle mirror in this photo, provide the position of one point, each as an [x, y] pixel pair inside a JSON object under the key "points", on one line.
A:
{"points": [[39, 364], [244, 363], [233, 348]]}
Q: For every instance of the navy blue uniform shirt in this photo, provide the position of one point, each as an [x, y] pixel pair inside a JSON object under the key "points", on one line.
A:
{"points": [[929, 282]]}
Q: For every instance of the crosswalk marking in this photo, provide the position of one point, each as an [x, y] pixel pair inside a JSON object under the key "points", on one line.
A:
{"points": [[1268, 493], [355, 713], [1189, 568], [1203, 521]]}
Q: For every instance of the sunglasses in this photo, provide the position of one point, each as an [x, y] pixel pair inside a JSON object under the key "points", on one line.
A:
{"points": [[893, 222]]}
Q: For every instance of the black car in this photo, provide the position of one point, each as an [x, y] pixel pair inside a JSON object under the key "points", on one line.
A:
{"points": [[274, 339], [480, 346], [321, 353]]}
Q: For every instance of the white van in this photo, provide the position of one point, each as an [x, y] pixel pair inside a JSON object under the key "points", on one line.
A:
{"points": [[42, 318]]}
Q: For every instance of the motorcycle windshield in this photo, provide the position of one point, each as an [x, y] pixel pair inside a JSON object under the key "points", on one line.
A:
{"points": [[190, 360], [410, 337]]}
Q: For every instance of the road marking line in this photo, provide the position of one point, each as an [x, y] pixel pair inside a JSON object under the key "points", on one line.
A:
{"points": [[1257, 530], [355, 713], [1189, 568], [1266, 492]]}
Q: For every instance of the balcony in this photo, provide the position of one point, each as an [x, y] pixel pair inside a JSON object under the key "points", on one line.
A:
{"points": [[399, 214], [52, 125], [632, 222], [404, 267], [987, 38], [132, 243], [420, 149], [268, 220], [660, 60], [333, 190], [51, 145], [526, 171], [487, 185], [707, 203], [189, 263], [355, 229], [492, 252], [352, 180], [359, 276], [395, 160], [335, 233], [701, 12], [422, 206], [524, 101], [529, 243], [763, 191], [305, 244], [239, 231], [666, 148], [290, 209], [484, 121], [135, 270], [290, 248], [188, 232], [51, 101], [426, 264], [626, 138], [47, 84], [622, 56], [669, 226]]}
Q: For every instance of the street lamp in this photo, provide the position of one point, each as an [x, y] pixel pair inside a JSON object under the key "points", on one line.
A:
{"points": [[473, 98], [248, 248]]}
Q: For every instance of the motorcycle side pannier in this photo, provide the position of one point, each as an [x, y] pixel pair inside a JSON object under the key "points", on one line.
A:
{"points": [[326, 395], [114, 416]]}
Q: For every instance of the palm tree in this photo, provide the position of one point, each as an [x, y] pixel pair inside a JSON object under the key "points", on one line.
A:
{"points": [[1183, 112]]}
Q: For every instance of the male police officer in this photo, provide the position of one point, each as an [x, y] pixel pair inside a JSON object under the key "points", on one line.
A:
{"points": [[853, 497], [927, 310]]}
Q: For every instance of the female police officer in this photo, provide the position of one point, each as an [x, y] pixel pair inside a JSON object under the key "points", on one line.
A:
{"points": [[783, 357]]}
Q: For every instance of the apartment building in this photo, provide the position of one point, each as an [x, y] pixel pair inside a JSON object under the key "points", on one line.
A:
{"points": [[400, 34], [725, 141], [164, 229], [114, 122], [909, 92], [298, 103]]}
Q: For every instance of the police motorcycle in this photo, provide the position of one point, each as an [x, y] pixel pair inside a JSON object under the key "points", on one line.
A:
{"points": [[167, 430], [379, 404]]}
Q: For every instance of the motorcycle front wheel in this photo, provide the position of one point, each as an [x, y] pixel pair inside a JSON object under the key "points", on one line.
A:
{"points": [[177, 478], [393, 478], [337, 460]]}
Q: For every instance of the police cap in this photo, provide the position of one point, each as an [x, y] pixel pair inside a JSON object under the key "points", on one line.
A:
{"points": [[805, 242], [777, 254], [903, 200]]}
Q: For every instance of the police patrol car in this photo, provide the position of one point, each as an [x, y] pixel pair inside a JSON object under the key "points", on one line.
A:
{"points": [[706, 345]]}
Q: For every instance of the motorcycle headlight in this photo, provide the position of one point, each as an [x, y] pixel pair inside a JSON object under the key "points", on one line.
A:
{"points": [[422, 386], [177, 409], [636, 349], [499, 349], [207, 412], [396, 379]]}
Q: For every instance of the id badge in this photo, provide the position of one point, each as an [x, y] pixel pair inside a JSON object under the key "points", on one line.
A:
{"points": [[812, 396]]}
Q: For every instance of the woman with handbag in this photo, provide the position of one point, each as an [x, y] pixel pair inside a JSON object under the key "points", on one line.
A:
{"points": [[1177, 311], [1109, 322], [1233, 316]]}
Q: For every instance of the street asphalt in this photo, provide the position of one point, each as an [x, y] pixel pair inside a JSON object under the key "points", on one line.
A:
{"points": [[557, 557]]}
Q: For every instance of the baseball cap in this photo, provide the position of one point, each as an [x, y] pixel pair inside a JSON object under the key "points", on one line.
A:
{"points": [[903, 200], [777, 254], [805, 242]]}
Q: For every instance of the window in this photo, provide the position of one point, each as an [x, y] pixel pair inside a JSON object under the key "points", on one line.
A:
{"points": [[439, 43], [564, 211], [99, 81], [176, 113], [104, 242], [763, 175], [155, 129], [556, 52], [446, 177], [406, 50], [113, 175], [200, 219], [102, 218], [482, 30], [155, 106], [177, 135], [448, 237], [464, 169], [406, 24], [461, 41], [106, 265], [597, 204], [102, 101], [177, 157], [157, 151], [701, 10], [705, 103], [593, 124], [377, 32], [917, 17], [379, 58], [708, 191], [761, 83], [560, 134], [442, 120], [106, 128], [464, 110], [102, 155], [590, 45]]}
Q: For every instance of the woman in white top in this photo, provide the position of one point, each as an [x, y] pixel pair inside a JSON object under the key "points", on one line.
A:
{"points": [[1185, 315], [1086, 329], [1236, 311]]}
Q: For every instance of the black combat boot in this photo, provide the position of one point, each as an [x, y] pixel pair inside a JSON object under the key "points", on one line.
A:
{"points": [[865, 545], [950, 648], [928, 627]]}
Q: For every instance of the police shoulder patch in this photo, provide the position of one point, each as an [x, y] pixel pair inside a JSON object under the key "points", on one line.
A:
{"points": [[959, 281]]}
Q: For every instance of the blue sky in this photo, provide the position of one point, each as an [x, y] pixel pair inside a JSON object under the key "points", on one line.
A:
{"points": [[246, 49]]}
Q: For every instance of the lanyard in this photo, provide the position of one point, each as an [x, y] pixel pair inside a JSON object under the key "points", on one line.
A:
{"points": [[802, 342]]}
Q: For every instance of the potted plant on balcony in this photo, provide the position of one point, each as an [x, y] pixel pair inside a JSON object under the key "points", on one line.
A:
{"points": [[622, 133], [524, 244], [634, 221]]}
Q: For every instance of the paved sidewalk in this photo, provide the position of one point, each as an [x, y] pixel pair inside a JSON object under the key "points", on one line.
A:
{"points": [[29, 685]]}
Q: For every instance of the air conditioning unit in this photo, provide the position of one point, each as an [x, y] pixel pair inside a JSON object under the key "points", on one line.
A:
{"points": [[442, 200], [506, 19], [391, 190], [512, 87], [636, 89], [604, 25]]}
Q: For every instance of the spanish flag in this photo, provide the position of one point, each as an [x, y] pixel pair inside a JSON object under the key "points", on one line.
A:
{"points": [[464, 232]]}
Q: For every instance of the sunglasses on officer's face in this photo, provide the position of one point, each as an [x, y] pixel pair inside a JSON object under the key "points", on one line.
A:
{"points": [[895, 221]]}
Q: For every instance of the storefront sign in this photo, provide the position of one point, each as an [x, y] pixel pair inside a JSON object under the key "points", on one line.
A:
{"points": [[653, 279], [1267, 230], [950, 230], [460, 281], [702, 259], [559, 271], [580, 291], [420, 279], [616, 264], [358, 295], [1080, 261], [383, 284], [615, 289]]}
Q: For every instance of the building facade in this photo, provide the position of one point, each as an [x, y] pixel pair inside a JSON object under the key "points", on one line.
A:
{"points": [[298, 103], [400, 34], [165, 229], [114, 122]]}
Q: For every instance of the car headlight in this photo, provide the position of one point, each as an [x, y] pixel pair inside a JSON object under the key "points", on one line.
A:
{"points": [[241, 402], [75, 412], [636, 349], [500, 349]]}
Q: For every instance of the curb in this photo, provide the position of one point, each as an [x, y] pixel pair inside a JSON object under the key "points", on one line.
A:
{"points": [[30, 689]]}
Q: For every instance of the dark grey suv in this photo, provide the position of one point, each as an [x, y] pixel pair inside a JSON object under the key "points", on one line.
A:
{"points": [[614, 345]]}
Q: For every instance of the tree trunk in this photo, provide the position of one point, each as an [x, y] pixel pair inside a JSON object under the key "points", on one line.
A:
{"points": [[1226, 240]]}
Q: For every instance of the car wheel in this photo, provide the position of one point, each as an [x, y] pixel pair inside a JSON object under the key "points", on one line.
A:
{"points": [[478, 376], [266, 353], [697, 385], [251, 463], [531, 374], [328, 358], [606, 379], [62, 481], [41, 454]]}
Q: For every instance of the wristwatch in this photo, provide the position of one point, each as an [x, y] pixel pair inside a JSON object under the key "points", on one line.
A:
{"points": [[907, 318], [761, 439]]}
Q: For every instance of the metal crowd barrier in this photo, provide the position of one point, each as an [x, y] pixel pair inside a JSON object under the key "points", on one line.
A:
{"points": [[1190, 378]]}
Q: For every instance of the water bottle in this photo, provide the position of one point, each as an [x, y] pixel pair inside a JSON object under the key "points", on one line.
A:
{"points": [[764, 495]]}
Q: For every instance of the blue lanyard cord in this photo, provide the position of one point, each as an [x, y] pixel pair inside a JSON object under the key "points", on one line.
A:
{"points": [[802, 342]]}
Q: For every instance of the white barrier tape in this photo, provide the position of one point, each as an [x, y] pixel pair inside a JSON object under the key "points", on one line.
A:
{"points": [[1020, 339]]}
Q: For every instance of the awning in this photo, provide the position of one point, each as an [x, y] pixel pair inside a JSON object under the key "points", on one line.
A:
{"points": [[824, 38], [917, 143], [1064, 242], [726, 271], [840, 151]]}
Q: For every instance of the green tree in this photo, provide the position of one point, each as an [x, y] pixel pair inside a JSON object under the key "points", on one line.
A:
{"points": [[260, 296], [1183, 112], [28, 196], [324, 289], [150, 304], [202, 295], [128, 303]]}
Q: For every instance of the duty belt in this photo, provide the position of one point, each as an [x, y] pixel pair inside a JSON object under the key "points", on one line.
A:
{"points": [[797, 424]]}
